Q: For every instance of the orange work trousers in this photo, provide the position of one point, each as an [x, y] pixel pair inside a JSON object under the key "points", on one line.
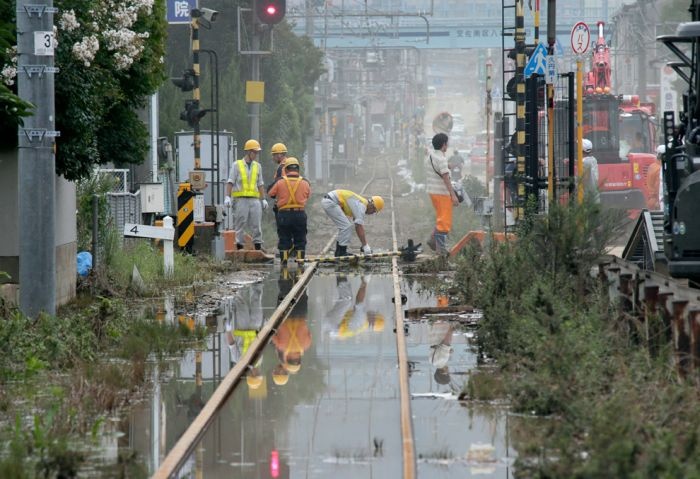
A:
{"points": [[443, 212]]}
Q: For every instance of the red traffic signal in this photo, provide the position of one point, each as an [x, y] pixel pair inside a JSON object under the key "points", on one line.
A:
{"points": [[270, 11]]}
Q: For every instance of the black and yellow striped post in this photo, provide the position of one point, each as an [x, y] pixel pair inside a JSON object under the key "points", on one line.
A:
{"points": [[353, 258], [185, 216], [520, 107]]}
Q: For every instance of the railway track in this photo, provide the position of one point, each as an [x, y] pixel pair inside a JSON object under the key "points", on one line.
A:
{"points": [[383, 237]]}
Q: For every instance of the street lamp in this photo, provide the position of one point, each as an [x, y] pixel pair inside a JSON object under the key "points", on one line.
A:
{"points": [[489, 86]]}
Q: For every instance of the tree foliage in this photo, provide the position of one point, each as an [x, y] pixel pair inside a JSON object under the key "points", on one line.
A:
{"points": [[289, 74], [97, 92]]}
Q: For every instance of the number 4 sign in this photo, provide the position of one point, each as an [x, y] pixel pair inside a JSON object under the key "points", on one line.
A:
{"points": [[580, 38], [43, 44]]}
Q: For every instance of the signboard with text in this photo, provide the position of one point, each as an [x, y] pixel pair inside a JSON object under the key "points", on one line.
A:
{"points": [[178, 11]]}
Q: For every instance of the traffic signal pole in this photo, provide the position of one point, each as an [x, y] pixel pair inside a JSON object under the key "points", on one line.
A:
{"points": [[551, 40], [36, 158], [196, 135]]}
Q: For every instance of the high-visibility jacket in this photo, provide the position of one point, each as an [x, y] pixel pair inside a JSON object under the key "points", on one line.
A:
{"points": [[344, 196], [248, 337], [293, 201], [249, 186]]}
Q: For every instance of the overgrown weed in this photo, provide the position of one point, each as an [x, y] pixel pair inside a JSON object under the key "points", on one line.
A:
{"points": [[620, 408]]}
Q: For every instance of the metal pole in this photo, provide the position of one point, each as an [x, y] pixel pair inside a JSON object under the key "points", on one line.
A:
{"points": [[579, 126], [36, 157], [95, 229], [551, 40], [520, 108], [489, 65], [196, 139], [498, 211], [255, 59]]}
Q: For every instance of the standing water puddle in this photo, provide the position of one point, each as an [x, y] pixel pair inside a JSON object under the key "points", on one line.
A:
{"points": [[323, 398]]}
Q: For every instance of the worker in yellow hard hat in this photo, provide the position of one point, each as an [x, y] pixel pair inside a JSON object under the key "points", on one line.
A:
{"points": [[279, 156], [245, 185], [346, 208], [291, 193]]}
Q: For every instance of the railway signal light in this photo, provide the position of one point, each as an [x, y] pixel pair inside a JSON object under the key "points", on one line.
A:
{"points": [[270, 11], [192, 113], [186, 81]]}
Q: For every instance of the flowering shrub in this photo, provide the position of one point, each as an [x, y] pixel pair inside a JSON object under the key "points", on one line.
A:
{"points": [[109, 54]]}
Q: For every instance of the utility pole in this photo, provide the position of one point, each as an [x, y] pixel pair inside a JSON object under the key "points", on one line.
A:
{"points": [[36, 157], [255, 64], [196, 137]]}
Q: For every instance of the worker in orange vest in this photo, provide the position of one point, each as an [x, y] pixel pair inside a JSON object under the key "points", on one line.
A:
{"points": [[291, 191]]}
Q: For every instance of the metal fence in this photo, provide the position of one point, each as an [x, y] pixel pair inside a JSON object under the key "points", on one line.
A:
{"points": [[124, 208], [121, 178]]}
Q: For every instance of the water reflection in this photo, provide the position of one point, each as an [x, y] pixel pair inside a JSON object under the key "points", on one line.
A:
{"points": [[349, 315]]}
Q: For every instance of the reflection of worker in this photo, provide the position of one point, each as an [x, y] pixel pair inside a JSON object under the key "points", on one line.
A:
{"points": [[245, 321], [440, 351], [293, 336], [245, 184], [342, 206], [292, 192], [349, 316], [590, 172]]}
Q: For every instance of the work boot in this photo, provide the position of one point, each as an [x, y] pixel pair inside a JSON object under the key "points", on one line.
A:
{"points": [[239, 246], [441, 244], [341, 250], [284, 256], [258, 246], [337, 249], [431, 241], [301, 254]]}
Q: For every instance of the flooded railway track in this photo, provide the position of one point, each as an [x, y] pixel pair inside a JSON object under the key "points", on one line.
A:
{"points": [[373, 394]]}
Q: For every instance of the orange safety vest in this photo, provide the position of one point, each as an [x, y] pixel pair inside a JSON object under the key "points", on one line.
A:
{"points": [[344, 196], [292, 188], [248, 185]]}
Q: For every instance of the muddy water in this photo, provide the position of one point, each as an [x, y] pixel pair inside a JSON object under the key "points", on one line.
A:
{"points": [[322, 401]]}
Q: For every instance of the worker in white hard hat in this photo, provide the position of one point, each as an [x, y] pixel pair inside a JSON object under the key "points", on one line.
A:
{"points": [[590, 173], [346, 208], [245, 185]]}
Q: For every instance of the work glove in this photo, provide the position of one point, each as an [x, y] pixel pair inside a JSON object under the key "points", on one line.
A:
{"points": [[264, 204], [366, 249], [227, 201]]}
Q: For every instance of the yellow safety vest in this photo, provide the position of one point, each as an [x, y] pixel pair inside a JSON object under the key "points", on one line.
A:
{"points": [[344, 196], [249, 186], [292, 203], [248, 336]]}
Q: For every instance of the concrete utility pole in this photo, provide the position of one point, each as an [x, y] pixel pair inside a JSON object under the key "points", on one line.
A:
{"points": [[37, 161]]}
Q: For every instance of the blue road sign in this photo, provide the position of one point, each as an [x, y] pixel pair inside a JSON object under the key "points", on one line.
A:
{"points": [[538, 61], [178, 11]]}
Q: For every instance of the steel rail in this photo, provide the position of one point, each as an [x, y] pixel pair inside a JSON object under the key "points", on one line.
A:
{"points": [[177, 456], [409, 451]]}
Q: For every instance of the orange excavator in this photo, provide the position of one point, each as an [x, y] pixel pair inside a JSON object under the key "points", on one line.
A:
{"points": [[622, 130]]}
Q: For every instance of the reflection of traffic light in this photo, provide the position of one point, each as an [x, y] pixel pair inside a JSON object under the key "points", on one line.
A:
{"points": [[186, 81], [270, 11], [192, 113]]}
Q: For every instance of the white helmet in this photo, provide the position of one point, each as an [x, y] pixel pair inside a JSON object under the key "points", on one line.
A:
{"points": [[587, 145], [660, 150]]}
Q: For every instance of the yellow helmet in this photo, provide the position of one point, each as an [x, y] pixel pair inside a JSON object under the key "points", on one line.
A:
{"points": [[291, 161], [252, 145], [280, 376], [378, 324], [278, 148], [378, 202], [254, 382]]}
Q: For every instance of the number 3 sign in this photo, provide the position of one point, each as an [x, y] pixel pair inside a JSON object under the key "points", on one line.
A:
{"points": [[43, 44], [580, 38]]}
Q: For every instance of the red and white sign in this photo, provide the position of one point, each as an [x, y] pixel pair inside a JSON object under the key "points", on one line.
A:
{"points": [[580, 38]]}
